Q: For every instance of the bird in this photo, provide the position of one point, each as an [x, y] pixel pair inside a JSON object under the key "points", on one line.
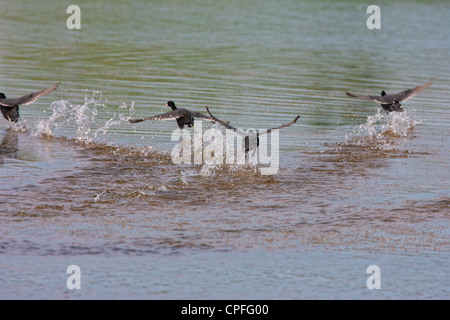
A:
{"points": [[183, 116], [250, 144], [391, 102], [10, 107]]}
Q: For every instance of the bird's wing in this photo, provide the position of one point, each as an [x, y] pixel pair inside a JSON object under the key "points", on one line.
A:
{"points": [[27, 99], [224, 123], [161, 117], [202, 116], [405, 95], [283, 125], [379, 99]]}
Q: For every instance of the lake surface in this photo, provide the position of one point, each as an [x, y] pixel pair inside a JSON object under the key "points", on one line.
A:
{"points": [[355, 187]]}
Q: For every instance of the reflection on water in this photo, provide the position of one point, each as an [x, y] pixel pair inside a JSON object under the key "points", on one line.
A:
{"points": [[9, 146], [78, 180]]}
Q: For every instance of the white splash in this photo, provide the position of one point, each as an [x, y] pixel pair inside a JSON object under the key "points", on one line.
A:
{"points": [[400, 124], [380, 126], [370, 128], [84, 118], [208, 170], [184, 175], [97, 197], [60, 110], [19, 126]]}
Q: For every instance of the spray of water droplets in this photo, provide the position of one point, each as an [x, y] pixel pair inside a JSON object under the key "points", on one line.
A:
{"points": [[83, 120], [380, 127]]}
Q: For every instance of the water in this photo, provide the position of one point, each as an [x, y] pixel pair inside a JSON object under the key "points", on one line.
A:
{"points": [[355, 187]]}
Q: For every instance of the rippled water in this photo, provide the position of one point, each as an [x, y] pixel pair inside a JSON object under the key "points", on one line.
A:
{"points": [[355, 187]]}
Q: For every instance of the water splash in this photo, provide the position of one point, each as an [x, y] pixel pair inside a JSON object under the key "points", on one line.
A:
{"points": [[45, 127], [400, 124], [19, 126], [98, 196], [371, 128], [83, 118], [208, 170], [380, 128], [185, 174]]}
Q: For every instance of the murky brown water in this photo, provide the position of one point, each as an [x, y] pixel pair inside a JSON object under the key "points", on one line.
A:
{"points": [[345, 194]]}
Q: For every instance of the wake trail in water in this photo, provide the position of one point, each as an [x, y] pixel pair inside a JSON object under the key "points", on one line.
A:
{"points": [[92, 124]]}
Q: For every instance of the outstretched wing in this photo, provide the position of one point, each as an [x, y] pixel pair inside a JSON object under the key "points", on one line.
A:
{"points": [[160, 117], [379, 99], [226, 125], [223, 123], [284, 125], [202, 116], [405, 95], [27, 99], [391, 98]]}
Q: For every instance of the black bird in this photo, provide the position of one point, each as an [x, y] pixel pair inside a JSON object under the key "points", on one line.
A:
{"points": [[391, 102], [183, 116], [250, 145], [10, 107]]}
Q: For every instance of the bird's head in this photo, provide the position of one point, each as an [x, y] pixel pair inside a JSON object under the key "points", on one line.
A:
{"points": [[171, 104], [383, 93], [2, 95]]}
